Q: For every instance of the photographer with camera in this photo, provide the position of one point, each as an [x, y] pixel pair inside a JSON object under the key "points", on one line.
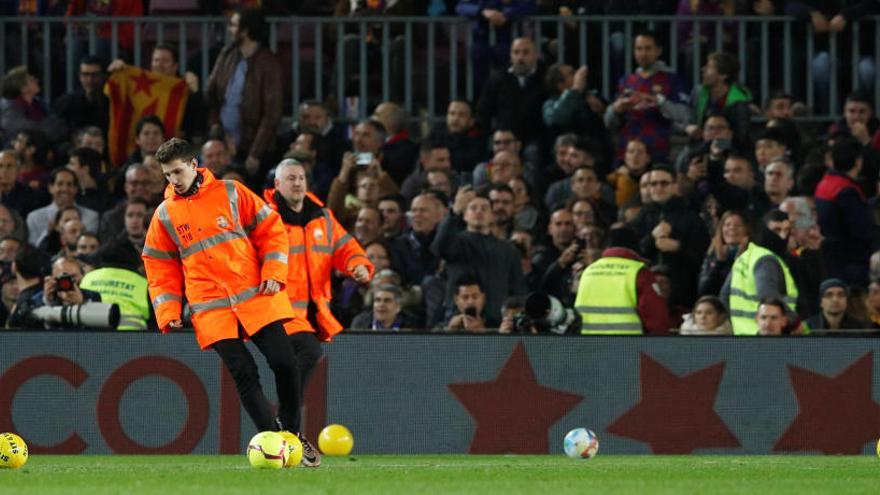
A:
{"points": [[59, 302], [61, 287]]}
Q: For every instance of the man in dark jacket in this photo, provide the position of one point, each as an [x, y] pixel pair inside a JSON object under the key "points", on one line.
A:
{"points": [[89, 105], [672, 234], [845, 215], [513, 98], [244, 91], [465, 242], [466, 141], [833, 316]]}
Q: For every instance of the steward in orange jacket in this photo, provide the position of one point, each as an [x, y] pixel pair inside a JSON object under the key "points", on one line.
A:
{"points": [[318, 244], [224, 241], [221, 246]]}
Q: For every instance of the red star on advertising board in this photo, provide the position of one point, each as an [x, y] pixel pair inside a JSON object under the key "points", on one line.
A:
{"points": [[513, 412], [143, 83], [676, 414], [837, 415]]}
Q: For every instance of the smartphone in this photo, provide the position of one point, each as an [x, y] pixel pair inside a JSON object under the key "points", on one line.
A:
{"points": [[363, 159], [723, 144], [470, 311]]}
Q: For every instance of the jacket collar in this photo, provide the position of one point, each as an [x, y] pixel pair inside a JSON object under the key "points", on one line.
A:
{"points": [[269, 197], [208, 181]]}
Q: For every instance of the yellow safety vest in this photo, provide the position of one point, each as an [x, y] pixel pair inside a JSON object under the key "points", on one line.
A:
{"points": [[607, 299], [744, 298], [126, 288]]}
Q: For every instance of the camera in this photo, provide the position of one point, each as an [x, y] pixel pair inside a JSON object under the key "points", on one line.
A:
{"points": [[580, 242], [544, 313], [88, 315], [470, 311], [363, 159], [64, 283]]}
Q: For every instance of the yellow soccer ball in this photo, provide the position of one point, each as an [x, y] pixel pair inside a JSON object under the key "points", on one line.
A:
{"points": [[335, 440], [13, 451], [267, 450], [294, 449]]}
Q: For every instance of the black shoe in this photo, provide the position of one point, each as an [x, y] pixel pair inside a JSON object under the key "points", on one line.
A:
{"points": [[311, 457]]}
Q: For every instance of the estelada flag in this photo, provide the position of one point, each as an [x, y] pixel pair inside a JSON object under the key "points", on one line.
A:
{"points": [[135, 93]]}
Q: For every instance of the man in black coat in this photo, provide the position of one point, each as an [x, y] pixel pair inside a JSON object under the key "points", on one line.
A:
{"points": [[672, 234]]}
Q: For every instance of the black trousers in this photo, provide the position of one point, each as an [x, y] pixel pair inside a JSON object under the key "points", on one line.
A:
{"points": [[308, 351], [273, 343]]}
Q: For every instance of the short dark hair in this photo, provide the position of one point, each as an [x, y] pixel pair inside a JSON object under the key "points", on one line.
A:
{"points": [[464, 102], [148, 119], [31, 262], [860, 97], [773, 134], [500, 188], [175, 149], [466, 279], [60, 213], [662, 167], [397, 198], [778, 95], [726, 65], [13, 81], [254, 21], [431, 143], [774, 301], [63, 170], [845, 152], [137, 201], [92, 60], [742, 157], [647, 33], [89, 158], [168, 48]]}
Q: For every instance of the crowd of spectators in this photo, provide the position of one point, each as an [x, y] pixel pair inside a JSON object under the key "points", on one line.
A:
{"points": [[510, 194]]}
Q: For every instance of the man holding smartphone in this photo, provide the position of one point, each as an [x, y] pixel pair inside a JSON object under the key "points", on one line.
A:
{"points": [[469, 300]]}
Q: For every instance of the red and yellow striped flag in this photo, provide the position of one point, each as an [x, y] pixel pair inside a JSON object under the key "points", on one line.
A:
{"points": [[135, 93]]}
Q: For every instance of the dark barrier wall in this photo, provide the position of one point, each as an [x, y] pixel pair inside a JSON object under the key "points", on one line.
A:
{"points": [[98, 393]]}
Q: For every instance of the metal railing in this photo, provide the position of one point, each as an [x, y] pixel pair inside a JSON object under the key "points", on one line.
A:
{"points": [[424, 62]]}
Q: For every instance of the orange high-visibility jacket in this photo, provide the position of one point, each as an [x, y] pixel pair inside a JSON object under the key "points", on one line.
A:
{"points": [[219, 244], [315, 250]]}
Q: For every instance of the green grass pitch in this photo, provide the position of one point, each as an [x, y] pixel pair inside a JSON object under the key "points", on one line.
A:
{"points": [[459, 474]]}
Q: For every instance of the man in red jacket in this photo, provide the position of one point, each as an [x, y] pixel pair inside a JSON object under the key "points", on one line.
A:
{"points": [[318, 244]]}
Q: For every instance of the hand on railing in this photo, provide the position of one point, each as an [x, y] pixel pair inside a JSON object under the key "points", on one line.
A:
{"points": [[838, 23], [820, 22]]}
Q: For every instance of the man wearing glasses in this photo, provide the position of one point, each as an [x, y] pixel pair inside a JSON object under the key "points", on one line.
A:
{"points": [[86, 106], [672, 234]]}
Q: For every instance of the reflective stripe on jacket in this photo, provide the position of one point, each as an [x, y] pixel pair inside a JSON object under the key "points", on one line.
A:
{"points": [[222, 242], [607, 299], [126, 288], [315, 250], [744, 299]]}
